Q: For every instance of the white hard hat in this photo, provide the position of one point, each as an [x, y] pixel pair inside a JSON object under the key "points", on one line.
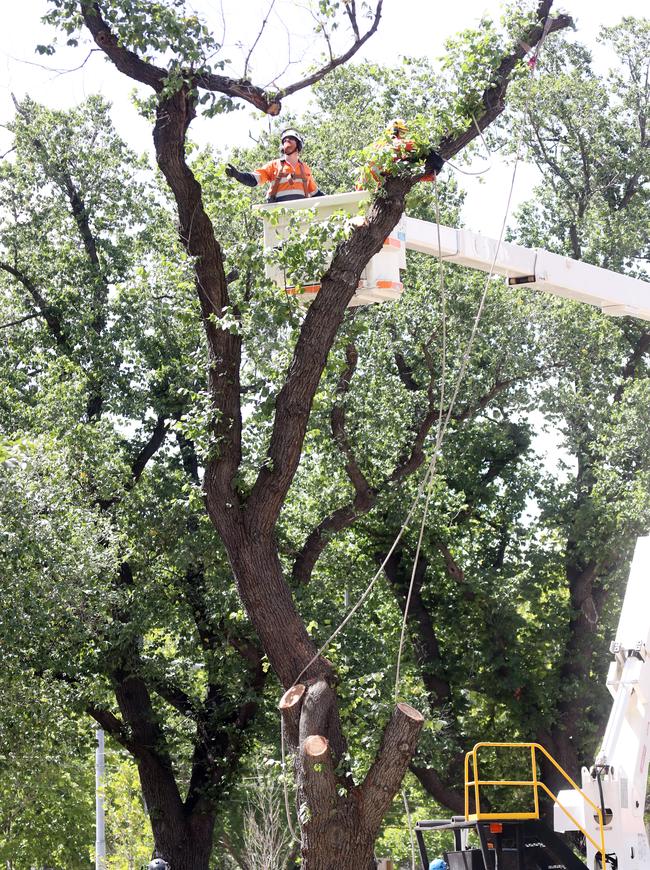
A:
{"points": [[292, 134]]}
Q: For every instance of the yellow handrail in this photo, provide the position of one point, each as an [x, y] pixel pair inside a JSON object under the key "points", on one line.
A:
{"points": [[533, 783]]}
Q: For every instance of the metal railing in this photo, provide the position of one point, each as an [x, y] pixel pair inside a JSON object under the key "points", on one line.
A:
{"points": [[534, 783]]}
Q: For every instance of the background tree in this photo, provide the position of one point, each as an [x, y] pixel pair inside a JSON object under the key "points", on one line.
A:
{"points": [[99, 365], [546, 570]]}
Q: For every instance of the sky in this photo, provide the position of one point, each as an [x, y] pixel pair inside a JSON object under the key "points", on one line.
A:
{"points": [[408, 27]]}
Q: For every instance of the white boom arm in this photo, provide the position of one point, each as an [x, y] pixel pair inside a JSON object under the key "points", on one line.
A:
{"points": [[614, 294], [622, 762]]}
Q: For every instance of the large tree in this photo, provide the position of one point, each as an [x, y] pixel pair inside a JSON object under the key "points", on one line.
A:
{"points": [[244, 491]]}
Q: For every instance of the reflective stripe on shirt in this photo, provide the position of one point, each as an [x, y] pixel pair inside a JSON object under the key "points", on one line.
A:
{"points": [[291, 183]]}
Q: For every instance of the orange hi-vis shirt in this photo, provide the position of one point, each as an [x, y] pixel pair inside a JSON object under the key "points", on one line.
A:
{"points": [[292, 181]]}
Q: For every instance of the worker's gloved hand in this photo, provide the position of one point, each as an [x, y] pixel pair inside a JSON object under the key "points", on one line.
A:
{"points": [[246, 178], [433, 163], [318, 193]]}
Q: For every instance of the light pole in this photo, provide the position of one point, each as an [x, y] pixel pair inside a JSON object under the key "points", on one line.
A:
{"points": [[100, 832]]}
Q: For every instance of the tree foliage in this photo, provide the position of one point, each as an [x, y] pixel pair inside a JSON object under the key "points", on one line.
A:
{"points": [[521, 568]]}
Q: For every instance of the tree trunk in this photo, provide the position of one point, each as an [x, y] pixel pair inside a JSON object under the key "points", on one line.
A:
{"points": [[340, 821], [339, 841], [183, 832], [185, 843]]}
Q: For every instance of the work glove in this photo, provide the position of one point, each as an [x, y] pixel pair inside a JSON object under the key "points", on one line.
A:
{"points": [[246, 178], [434, 163]]}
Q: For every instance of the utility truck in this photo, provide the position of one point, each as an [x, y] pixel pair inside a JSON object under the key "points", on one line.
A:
{"points": [[607, 809]]}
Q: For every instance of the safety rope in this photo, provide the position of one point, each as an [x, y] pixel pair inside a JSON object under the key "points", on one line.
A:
{"points": [[410, 825], [487, 150], [285, 789], [438, 441], [461, 374]]}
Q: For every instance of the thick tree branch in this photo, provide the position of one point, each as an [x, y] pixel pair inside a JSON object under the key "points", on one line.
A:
{"points": [[147, 740], [351, 10], [149, 748], [290, 706], [129, 63], [363, 490], [319, 538], [366, 496], [391, 763], [494, 97], [193, 588], [406, 373], [175, 696], [438, 789], [126, 61], [148, 450], [188, 457], [212, 746], [82, 220], [630, 368], [197, 235], [111, 724], [20, 320], [453, 569], [423, 633]]}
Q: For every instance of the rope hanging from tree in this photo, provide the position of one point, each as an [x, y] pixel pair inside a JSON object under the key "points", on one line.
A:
{"points": [[426, 485]]}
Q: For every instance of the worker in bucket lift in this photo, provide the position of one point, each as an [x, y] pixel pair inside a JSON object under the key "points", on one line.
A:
{"points": [[289, 177], [403, 151]]}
